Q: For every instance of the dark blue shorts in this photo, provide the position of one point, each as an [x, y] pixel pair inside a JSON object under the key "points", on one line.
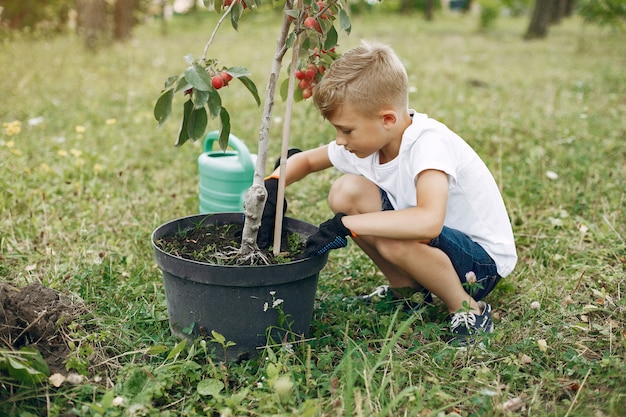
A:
{"points": [[465, 254]]}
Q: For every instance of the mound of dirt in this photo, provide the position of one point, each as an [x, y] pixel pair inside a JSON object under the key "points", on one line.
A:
{"points": [[36, 316]]}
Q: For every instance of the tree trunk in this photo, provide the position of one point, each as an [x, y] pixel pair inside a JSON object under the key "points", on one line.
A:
{"points": [[429, 7], [542, 12], [257, 194], [123, 19], [92, 21]]}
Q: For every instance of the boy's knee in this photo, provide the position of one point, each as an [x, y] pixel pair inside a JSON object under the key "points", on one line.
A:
{"points": [[346, 194]]}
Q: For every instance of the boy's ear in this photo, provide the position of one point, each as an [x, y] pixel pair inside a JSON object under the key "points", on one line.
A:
{"points": [[389, 117]]}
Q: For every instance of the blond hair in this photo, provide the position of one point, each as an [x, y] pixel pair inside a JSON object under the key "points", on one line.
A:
{"points": [[369, 77]]}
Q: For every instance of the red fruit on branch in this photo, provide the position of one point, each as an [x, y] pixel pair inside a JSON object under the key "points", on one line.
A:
{"points": [[302, 84], [307, 93], [310, 22], [310, 74], [226, 77], [217, 82]]}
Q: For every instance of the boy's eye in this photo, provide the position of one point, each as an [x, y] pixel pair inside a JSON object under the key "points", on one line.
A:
{"points": [[346, 132]]}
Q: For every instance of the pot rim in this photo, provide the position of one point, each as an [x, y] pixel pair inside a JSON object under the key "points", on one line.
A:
{"points": [[233, 275]]}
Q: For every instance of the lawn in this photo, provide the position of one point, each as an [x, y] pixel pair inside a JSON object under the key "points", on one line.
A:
{"points": [[86, 175]]}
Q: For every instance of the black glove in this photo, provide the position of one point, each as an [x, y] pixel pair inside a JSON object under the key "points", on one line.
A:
{"points": [[266, 231], [265, 236], [330, 235]]}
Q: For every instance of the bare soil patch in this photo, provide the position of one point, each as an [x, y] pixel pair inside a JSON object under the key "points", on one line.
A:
{"points": [[37, 316]]}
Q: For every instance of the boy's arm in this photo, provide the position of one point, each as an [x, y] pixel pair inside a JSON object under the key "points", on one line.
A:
{"points": [[423, 222], [304, 163]]}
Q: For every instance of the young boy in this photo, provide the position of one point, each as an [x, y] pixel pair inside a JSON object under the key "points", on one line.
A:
{"points": [[414, 196]]}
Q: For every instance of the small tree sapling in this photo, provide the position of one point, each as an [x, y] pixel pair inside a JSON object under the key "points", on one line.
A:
{"points": [[308, 30]]}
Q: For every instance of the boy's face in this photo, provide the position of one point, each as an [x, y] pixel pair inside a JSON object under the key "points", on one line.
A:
{"points": [[359, 134]]}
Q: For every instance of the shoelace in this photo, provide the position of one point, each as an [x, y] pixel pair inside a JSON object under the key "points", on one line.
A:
{"points": [[469, 319], [379, 291]]}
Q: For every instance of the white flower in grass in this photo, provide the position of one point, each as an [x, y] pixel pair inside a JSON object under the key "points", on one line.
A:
{"points": [[542, 345], [535, 305], [117, 401], [265, 306], [552, 175], [277, 302], [470, 278]]}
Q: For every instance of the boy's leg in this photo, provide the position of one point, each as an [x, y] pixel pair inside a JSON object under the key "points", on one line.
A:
{"points": [[405, 263], [353, 194]]}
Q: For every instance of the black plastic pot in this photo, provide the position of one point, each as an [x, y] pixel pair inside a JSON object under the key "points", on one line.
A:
{"points": [[236, 301]]}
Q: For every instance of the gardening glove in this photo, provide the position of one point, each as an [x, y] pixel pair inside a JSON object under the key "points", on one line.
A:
{"points": [[265, 236], [266, 231], [330, 235]]}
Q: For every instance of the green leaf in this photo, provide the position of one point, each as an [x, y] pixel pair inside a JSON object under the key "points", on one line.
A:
{"points": [[177, 349], [331, 38], [198, 78], [210, 387], [183, 136], [344, 21], [224, 134], [197, 123], [163, 106], [284, 89], [26, 366], [291, 39], [218, 337], [170, 81], [182, 84], [235, 15], [156, 350], [252, 88], [235, 399], [215, 103], [200, 98], [238, 71], [107, 399]]}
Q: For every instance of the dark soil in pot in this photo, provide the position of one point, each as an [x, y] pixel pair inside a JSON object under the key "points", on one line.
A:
{"points": [[217, 243]]}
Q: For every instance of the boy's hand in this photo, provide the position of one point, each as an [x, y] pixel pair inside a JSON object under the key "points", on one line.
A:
{"points": [[331, 235], [268, 219]]}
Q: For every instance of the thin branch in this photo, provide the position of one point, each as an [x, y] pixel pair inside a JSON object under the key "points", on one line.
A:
{"points": [[217, 26]]}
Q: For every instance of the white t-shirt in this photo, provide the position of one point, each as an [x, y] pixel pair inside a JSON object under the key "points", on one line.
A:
{"points": [[475, 206]]}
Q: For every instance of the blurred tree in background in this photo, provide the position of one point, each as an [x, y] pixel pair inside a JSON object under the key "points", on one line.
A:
{"points": [[94, 20], [103, 21]]}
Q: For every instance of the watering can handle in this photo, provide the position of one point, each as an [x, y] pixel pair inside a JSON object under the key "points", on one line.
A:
{"points": [[234, 142]]}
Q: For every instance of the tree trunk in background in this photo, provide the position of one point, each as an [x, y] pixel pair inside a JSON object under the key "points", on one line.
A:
{"points": [[542, 13], [92, 21], [569, 7], [123, 19], [429, 7], [559, 11]]}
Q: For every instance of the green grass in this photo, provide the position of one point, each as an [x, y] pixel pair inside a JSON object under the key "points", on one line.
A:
{"points": [[82, 192]]}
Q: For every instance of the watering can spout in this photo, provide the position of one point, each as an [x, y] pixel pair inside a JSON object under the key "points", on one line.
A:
{"points": [[225, 176]]}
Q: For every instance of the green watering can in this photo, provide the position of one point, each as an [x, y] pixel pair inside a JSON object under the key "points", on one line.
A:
{"points": [[225, 176]]}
